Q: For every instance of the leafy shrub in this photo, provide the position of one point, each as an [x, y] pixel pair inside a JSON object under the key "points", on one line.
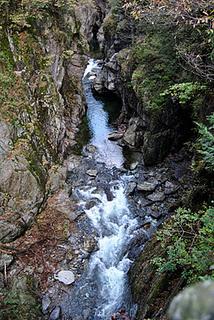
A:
{"points": [[184, 92], [187, 240], [205, 143]]}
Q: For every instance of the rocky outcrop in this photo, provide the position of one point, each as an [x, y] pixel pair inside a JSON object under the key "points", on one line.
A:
{"points": [[155, 132], [43, 59], [195, 302], [151, 290], [21, 301]]}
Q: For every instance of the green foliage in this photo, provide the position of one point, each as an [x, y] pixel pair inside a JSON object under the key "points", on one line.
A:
{"points": [[156, 67], [205, 143], [184, 92], [187, 239]]}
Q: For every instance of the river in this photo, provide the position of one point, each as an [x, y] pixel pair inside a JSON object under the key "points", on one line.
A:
{"points": [[112, 220], [100, 189]]}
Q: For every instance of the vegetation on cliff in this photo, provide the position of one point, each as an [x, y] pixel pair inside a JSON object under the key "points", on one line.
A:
{"points": [[169, 65]]}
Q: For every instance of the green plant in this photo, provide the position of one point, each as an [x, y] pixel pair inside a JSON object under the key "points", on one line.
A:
{"points": [[184, 91], [187, 240], [205, 143]]}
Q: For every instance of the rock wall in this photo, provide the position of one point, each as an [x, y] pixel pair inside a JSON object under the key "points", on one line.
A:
{"points": [[140, 63], [43, 62], [44, 49]]}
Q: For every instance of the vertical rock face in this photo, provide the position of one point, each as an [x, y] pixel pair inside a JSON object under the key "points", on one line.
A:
{"points": [[43, 58], [139, 71], [44, 49]]}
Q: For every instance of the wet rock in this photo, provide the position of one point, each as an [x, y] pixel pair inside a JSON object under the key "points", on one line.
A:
{"points": [[120, 315], [91, 149], [65, 276], [131, 187], [46, 301], [55, 314], [90, 204], [134, 165], [109, 194], [140, 237], [92, 173], [5, 260], [147, 186], [195, 302], [114, 136], [156, 196]]}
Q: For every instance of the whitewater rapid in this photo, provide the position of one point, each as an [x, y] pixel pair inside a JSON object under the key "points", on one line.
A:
{"points": [[112, 220]]}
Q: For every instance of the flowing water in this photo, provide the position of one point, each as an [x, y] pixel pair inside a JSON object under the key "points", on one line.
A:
{"points": [[103, 288], [107, 151], [112, 220]]}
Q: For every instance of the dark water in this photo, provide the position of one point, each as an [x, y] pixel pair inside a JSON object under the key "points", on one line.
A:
{"points": [[98, 122]]}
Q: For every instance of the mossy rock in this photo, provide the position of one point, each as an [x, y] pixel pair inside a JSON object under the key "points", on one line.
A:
{"points": [[21, 302]]}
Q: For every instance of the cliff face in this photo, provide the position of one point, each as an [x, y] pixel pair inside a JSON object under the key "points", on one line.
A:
{"points": [[43, 55], [44, 46], [145, 65]]}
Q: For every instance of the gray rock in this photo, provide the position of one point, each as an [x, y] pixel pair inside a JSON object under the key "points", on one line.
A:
{"points": [[170, 188], [156, 214], [1, 281], [114, 136], [91, 203], [9, 231], [156, 197], [131, 187], [5, 136], [130, 136], [194, 303], [91, 148], [55, 314], [5, 260], [134, 165], [65, 276], [147, 186], [92, 173], [46, 301]]}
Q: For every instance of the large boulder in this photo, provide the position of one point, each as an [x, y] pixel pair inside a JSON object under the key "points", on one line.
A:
{"points": [[194, 303]]}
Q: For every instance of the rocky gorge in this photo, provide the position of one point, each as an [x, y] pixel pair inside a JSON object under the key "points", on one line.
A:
{"points": [[88, 170]]}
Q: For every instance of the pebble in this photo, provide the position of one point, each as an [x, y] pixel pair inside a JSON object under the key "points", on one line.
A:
{"points": [[65, 276], [92, 173]]}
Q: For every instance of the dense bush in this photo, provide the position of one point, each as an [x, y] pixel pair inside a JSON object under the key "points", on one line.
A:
{"points": [[187, 240], [205, 143]]}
